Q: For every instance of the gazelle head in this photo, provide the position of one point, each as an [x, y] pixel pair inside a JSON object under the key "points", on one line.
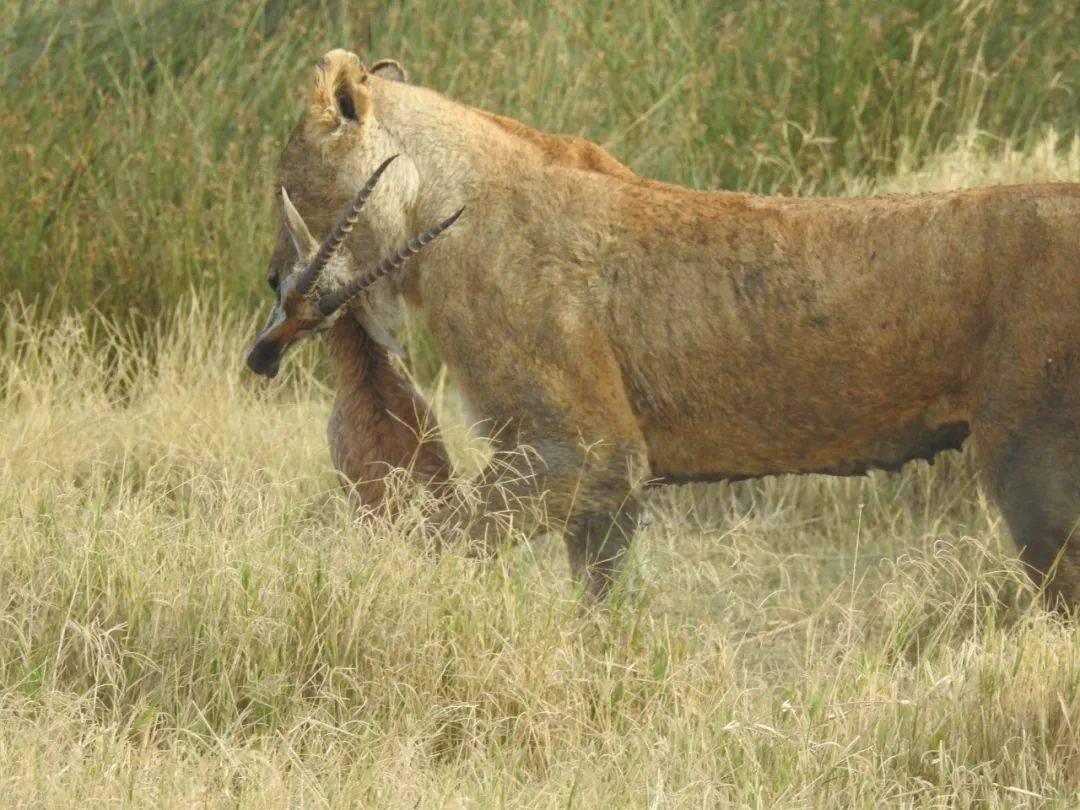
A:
{"points": [[302, 307]]}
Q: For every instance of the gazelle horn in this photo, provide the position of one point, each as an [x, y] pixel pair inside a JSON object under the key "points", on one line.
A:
{"points": [[332, 301], [332, 244]]}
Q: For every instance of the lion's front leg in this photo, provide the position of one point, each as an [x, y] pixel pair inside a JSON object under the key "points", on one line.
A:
{"points": [[551, 393], [586, 491], [575, 469]]}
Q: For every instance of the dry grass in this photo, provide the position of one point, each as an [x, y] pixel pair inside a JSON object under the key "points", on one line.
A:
{"points": [[191, 615]]}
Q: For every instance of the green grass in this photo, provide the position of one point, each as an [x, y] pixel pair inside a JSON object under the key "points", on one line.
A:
{"points": [[140, 138], [191, 615]]}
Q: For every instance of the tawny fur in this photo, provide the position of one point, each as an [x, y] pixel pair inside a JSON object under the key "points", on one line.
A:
{"points": [[629, 329]]}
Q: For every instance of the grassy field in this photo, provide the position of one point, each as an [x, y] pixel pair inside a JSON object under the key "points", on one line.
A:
{"points": [[190, 615]]}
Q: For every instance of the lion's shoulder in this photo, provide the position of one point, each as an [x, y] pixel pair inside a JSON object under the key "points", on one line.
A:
{"points": [[570, 151]]}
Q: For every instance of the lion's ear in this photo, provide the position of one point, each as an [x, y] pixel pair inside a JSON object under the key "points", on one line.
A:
{"points": [[389, 69], [340, 93]]}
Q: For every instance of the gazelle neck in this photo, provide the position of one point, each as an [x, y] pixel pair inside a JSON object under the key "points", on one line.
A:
{"points": [[379, 422]]}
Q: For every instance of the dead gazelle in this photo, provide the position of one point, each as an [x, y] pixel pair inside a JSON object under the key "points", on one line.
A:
{"points": [[302, 308]]}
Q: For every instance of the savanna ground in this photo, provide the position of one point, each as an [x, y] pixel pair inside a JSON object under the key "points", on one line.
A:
{"points": [[191, 615]]}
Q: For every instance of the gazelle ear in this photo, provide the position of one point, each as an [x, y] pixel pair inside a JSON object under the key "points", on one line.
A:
{"points": [[378, 332], [303, 241]]}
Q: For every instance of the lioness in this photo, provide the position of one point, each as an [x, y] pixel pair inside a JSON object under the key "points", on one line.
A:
{"points": [[632, 331]]}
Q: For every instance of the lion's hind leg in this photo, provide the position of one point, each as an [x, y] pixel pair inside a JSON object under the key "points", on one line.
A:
{"points": [[1035, 474], [601, 509]]}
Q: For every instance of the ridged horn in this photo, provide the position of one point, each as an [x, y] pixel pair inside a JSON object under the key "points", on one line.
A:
{"points": [[332, 244], [332, 301]]}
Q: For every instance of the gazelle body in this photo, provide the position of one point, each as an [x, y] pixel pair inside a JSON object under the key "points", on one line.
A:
{"points": [[379, 423]]}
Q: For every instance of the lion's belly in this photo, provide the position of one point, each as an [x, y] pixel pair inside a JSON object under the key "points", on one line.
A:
{"points": [[711, 452], [837, 436], [825, 408]]}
